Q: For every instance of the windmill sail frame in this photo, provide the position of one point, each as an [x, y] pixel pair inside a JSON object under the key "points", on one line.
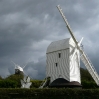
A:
{"points": [[84, 56]]}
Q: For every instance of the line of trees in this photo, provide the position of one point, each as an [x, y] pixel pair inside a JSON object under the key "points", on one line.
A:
{"points": [[13, 81], [87, 80]]}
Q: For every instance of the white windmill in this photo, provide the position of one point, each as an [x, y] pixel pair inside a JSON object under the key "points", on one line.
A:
{"points": [[26, 82], [63, 61], [18, 68], [83, 56]]}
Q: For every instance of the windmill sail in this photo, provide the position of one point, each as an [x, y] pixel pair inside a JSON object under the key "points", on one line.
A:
{"points": [[84, 57], [26, 82], [90, 67]]}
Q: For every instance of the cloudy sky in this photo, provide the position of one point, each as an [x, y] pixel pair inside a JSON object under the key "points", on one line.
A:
{"points": [[27, 27]]}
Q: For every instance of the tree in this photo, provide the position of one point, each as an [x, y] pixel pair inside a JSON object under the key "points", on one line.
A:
{"points": [[87, 80]]}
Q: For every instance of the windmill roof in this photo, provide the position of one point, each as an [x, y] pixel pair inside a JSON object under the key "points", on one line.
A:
{"points": [[59, 45], [18, 67]]}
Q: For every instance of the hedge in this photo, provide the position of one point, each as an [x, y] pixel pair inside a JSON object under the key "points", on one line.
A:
{"points": [[49, 93]]}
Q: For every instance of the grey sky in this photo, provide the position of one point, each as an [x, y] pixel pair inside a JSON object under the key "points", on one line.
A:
{"points": [[27, 27]]}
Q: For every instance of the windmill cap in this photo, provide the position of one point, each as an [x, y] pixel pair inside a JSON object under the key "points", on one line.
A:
{"points": [[18, 67], [60, 45]]}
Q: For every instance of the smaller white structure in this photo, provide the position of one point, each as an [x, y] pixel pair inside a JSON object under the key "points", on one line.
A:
{"points": [[18, 68], [63, 61], [26, 82]]}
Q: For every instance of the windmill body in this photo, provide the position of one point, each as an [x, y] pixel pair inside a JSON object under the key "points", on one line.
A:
{"points": [[62, 62]]}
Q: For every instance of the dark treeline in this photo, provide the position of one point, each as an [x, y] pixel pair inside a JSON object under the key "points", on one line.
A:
{"points": [[87, 80], [13, 81]]}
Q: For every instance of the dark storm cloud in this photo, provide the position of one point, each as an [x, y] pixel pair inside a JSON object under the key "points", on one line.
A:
{"points": [[27, 27], [36, 70]]}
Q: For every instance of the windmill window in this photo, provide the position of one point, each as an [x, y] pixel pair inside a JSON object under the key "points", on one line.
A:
{"points": [[56, 64], [59, 55]]}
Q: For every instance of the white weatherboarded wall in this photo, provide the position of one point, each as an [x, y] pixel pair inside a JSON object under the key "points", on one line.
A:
{"points": [[59, 63]]}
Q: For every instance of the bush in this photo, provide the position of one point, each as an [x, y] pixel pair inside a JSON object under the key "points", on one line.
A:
{"points": [[36, 83], [89, 84], [13, 81], [8, 84]]}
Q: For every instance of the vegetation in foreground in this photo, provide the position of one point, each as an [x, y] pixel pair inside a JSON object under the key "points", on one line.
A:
{"points": [[13, 81], [52, 93]]}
